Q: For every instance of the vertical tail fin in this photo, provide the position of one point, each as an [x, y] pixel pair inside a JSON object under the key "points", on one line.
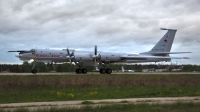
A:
{"points": [[165, 43], [163, 47]]}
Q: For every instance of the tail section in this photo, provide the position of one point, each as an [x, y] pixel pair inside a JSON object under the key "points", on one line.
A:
{"points": [[163, 47], [165, 43]]}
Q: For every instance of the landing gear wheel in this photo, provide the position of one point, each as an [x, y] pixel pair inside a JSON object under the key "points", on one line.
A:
{"points": [[108, 71], [34, 71], [102, 71], [84, 71], [78, 71]]}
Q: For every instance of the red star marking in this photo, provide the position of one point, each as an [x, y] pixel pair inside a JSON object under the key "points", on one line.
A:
{"points": [[165, 40]]}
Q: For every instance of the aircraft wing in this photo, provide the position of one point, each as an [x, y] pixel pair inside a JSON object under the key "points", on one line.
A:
{"points": [[22, 51], [19, 51]]}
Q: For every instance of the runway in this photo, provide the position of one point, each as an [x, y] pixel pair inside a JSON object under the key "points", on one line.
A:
{"points": [[97, 73], [78, 104]]}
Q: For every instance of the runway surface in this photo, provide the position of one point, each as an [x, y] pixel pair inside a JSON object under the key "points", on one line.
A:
{"points": [[78, 104], [97, 73]]}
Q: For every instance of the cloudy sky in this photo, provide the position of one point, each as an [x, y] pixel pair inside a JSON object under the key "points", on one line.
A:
{"points": [[113, 25]]}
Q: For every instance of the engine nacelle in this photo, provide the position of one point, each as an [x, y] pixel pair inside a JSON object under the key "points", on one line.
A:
{"points": [[83, 57], [109, 57]]}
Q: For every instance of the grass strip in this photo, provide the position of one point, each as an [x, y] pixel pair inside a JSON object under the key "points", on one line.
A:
{"points": [[92, 93], [37, 88]]}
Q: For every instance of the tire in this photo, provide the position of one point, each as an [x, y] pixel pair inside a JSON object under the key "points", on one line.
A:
{"points": [[34, 71], [102, 71], [84, 71], [108, 71], [78, 71]]}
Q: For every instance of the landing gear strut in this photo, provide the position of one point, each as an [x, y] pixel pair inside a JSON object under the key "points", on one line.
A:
{"points": [[34, 71]]}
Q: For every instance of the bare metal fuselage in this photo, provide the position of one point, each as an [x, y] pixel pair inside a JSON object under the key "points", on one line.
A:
{"points": [[49, 55]]}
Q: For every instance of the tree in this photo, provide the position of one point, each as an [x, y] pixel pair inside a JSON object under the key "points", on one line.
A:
{"points": [[26, 67], [41, 67]]}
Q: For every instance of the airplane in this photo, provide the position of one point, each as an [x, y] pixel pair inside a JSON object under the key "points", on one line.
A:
{"points": [[160, 52], [123, 70]]}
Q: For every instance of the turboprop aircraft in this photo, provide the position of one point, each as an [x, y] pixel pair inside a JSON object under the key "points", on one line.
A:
{"points": [[160, 52]]}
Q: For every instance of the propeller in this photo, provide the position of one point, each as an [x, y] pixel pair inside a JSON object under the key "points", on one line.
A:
{"points": [[95, 56], [70, 56]]}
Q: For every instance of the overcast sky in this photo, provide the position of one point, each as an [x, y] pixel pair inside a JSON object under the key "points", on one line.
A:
{"points": [[113, 25]]}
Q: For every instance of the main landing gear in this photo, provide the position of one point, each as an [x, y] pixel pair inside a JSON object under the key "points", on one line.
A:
{"points": [[81, 70], [105, 71]]}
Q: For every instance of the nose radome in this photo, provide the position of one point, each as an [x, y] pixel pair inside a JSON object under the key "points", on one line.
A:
{"points": [[17, 55]]}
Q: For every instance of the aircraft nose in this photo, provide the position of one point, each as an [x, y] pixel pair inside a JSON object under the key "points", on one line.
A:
{"points": [[17, 55]]}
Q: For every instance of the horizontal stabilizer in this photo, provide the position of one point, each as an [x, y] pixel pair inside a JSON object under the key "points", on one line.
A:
{"points": [[143, 57], [160, 53], [150, 57], [180, 58]]}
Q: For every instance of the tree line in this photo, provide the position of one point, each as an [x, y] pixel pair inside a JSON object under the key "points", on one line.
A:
{"points": [[67, 67]]}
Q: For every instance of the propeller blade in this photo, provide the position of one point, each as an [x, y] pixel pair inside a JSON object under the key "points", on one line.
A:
{"points": [[95, 50], [95, 56], [72, 54], [68, 51]]}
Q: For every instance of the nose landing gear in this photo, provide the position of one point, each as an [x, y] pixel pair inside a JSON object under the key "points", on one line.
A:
{"points": [[34, 71]]}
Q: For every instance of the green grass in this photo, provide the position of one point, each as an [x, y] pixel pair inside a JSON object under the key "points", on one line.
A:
{"points": [[66, 94], [90, 87], [175, 107]]}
